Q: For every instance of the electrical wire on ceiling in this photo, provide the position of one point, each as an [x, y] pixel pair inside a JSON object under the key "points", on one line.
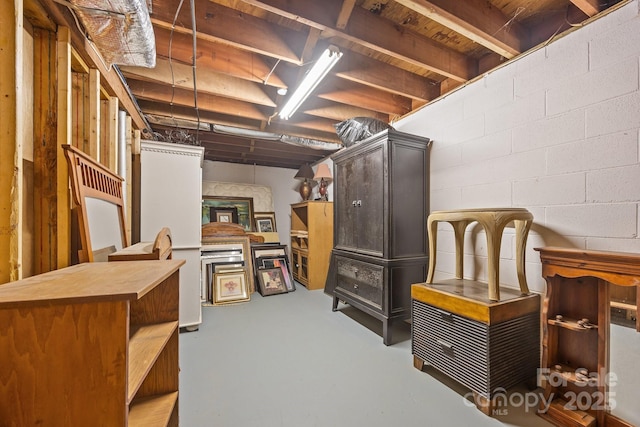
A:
{"points": [[195, 86], [173, 81], [193, 62]]}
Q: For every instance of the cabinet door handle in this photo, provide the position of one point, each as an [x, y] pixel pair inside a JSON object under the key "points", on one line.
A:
{"points": [[354, 203], [359, 203]]}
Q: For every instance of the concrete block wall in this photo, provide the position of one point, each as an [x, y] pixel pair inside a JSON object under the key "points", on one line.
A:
{"points": [[556, 131]]}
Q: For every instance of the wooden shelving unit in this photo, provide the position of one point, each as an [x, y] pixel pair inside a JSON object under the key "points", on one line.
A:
{"points": [[311, 242], [103, 335], [575, 332]]}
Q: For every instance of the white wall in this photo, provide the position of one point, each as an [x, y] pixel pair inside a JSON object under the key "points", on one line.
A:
{"points": [[555, 131], [283, 186]]}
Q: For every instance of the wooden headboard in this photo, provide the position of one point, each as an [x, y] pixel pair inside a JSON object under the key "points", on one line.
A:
{"points": [[98, 194]]}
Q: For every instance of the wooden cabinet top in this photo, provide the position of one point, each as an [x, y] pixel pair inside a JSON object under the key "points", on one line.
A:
{"points": [[309, 202], [390, 135], [97, 281], [620, 268]]}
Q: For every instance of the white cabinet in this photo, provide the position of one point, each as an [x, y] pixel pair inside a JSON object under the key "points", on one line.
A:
{"points": [[171, 196]]}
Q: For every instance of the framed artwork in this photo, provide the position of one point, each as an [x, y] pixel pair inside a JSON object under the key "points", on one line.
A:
{"points": [[260, 250], [271, 282], [225, 214], [268, 249], [247, 259], [265, 222], [243, 207], [283, 264], [230, 286]]}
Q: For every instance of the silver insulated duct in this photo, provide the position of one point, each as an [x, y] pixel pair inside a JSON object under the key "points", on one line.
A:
{"points": [[121, 30]]}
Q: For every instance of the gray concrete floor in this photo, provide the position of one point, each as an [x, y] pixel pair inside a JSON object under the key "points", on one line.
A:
{"points": [[289, 361]]}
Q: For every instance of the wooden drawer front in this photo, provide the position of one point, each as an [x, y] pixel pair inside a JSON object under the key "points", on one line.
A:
{"points": [[483, 358], [362, 280]]}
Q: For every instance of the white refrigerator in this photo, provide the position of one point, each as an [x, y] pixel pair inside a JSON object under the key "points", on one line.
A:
{"points": [[171, 196]]}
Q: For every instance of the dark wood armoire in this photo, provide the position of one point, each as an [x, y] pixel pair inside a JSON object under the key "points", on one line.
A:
{"points": [[381, 205]]}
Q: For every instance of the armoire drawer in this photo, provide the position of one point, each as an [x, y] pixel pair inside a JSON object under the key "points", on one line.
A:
{"points": [[361, 279]]}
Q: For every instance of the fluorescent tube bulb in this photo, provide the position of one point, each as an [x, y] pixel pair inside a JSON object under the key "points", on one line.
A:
{"points": [[323, 65]]}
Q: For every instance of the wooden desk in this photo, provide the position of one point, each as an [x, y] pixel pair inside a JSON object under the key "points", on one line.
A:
{"points": [[493, 221]]}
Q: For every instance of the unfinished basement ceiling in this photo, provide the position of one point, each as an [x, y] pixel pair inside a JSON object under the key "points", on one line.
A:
{"points": [[397, 56]]}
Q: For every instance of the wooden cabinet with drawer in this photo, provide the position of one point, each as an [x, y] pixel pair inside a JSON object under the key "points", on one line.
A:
{"points": [[361, 280], [381, 207], [487, 346], [377, 287]]}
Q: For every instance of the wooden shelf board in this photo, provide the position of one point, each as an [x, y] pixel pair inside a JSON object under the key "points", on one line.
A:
{"points": [[569, 374], [558, 415], [572, 324], [145, 345], [153, 411]]}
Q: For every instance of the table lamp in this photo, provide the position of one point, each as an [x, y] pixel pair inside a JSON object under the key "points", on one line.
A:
{"points": [[305, 173], [324, 175]]}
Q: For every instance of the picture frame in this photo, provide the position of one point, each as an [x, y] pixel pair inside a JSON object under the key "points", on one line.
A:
{"points": [[225, 214], [264, 225], [247, 258], [281, 262], [265, 222], [259, 250], [243, 206], [271, 282], [230, 287]]}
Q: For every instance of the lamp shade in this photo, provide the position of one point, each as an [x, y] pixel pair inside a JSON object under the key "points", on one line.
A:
{"points": [[322, 172], [305, 172]]}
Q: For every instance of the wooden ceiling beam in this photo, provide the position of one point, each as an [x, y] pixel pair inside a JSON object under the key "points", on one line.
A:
{"points": [[589, 7], [158, 93], [228, 142], [37, 16], [338, 111], [208, 81], [345, 13], [307, 122], [222, 24], [216, 57], [369, 72], [477, 20], [401, 44], [369, 98], [189, 113]]}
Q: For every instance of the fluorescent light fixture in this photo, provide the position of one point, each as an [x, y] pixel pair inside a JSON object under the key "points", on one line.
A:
{"points": [[327, 60]]}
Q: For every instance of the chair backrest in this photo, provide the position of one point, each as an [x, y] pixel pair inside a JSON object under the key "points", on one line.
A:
{"points": [[98, 194]]}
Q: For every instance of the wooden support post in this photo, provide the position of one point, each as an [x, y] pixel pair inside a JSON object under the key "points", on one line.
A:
{"points": [[94, 114], [63, 202], [44, 151], [129, 176], [11, 184], [109, 133]]}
